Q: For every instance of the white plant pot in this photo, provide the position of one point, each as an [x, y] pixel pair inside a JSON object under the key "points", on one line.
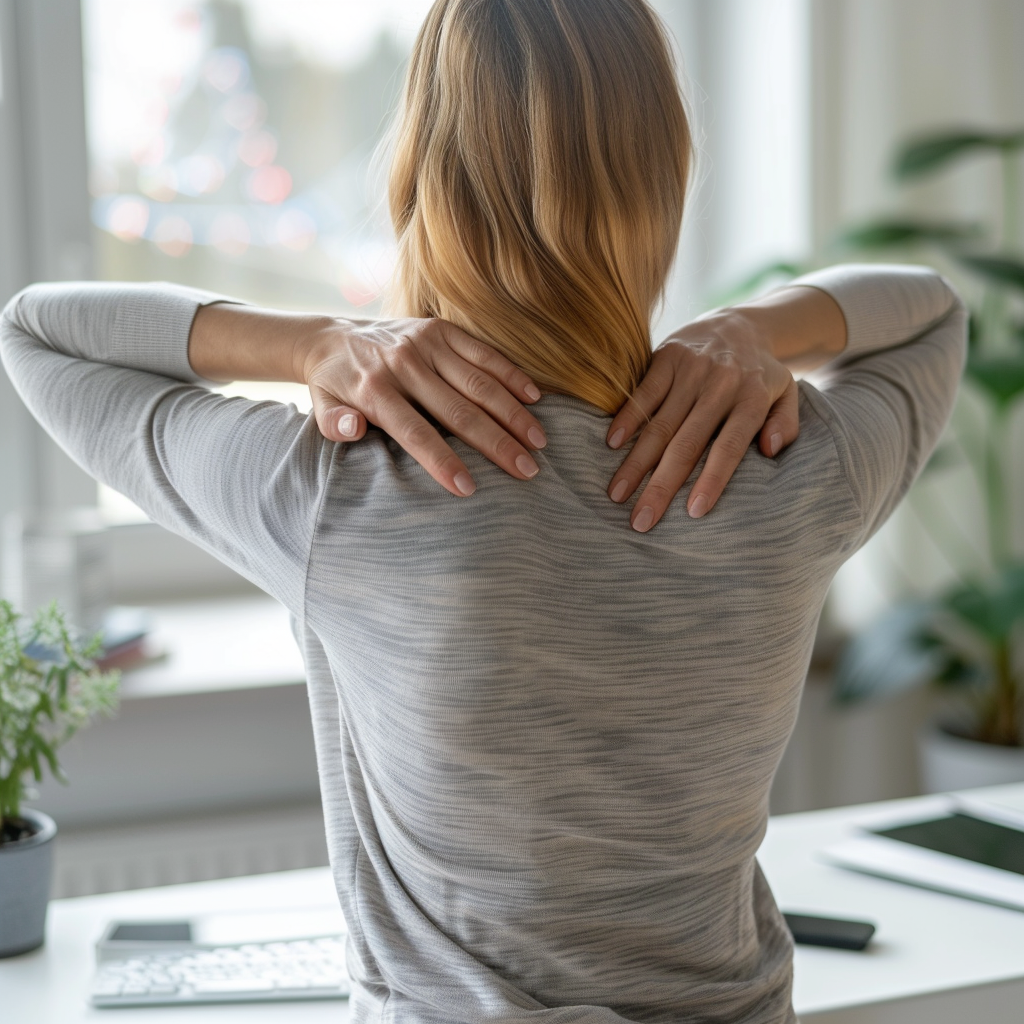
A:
{"points": [[951, 762]]}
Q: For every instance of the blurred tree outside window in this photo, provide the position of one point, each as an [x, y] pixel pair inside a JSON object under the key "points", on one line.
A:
{"points": [[231, 147]]}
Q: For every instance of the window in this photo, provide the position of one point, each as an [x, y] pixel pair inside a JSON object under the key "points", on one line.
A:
{"points": [[231, 143], [231, 147]]}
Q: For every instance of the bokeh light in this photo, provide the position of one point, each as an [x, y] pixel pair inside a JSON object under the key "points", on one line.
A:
{"points": [[270, 184], [231, 143], [128, 218], [229, 233], [173, 235]]}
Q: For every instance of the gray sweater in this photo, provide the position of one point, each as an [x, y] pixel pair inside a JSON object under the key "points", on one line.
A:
{"points": [[545, 741]]}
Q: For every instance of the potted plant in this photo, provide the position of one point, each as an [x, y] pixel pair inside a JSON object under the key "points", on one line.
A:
{"points": [[968, 640], [49, 688]]}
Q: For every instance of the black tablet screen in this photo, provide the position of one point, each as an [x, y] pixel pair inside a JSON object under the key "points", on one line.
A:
{"points": [[960, 835]]}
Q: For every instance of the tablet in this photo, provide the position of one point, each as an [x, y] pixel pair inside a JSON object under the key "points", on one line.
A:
{"points": [[962, 835], [956, 849]]}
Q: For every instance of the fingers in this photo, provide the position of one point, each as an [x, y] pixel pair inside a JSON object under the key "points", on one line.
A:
{"points": [[337, 421], [726, 454], [782, 427], [677, 462], [465, 420], [493, 400], [680, 428], [493, 362], [645, 401], [415, 434]]}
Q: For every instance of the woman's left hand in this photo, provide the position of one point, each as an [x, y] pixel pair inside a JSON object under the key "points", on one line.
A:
{"points": [[716, 373]]}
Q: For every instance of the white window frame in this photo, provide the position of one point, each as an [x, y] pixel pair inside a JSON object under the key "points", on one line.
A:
{"points": [[44, 213], [46, 235]]}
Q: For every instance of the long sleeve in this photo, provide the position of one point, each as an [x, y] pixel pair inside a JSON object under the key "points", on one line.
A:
{"points": [[888, 397], [105, 370]]}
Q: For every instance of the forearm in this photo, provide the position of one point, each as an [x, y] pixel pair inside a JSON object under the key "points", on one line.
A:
{"points": [[840, 313], [233, 342], [802, 326]]}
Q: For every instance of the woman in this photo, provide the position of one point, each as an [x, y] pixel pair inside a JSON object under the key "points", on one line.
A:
{"points": [[545, 740]]}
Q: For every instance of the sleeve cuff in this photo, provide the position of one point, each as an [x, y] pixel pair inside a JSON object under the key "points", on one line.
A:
{"points": [[152, 327], [883, 304]]}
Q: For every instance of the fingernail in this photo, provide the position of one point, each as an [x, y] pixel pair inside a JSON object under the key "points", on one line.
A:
{"points": [[347, 424], [644, 519], [527, 466], [619, 490], [465, 484], [617, 438], [532, 391], [536, 436], [698, 507], [775, 443]]}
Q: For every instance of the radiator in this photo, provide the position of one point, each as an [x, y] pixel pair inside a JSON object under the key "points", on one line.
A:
{"points": [[194, 849]]}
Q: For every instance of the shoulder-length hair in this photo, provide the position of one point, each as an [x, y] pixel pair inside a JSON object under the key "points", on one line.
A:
{"points": [[540, 165]]}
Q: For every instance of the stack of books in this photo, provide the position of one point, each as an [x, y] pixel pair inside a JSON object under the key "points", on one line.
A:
{"points": [[127, 640]]}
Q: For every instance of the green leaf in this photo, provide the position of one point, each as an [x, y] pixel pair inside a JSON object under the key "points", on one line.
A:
{"points": [[1002, 379], [890, 656], [924, 155], [46, 749], [960, 672], [974, 329], [1004, 270], [888, 234], [993, 608]]}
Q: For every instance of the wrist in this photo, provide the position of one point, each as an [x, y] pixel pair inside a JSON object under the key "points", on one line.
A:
{"points": [[314, 344], [729, 327]]}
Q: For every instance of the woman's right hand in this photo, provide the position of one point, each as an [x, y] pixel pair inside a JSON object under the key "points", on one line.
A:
{"points": [[717, 374], [728, 372], [386, 371]]}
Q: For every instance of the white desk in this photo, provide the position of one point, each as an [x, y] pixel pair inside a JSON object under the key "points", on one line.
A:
{"points": [[936, 959]]}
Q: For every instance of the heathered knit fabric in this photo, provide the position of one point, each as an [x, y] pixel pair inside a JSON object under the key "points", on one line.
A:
{"points": [[545, 741]]}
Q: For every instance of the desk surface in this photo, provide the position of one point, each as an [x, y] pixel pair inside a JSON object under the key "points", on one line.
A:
{"points": [[935, 957]]}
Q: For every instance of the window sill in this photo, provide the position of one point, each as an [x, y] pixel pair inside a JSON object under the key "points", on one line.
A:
{"points": [[218, 645]]}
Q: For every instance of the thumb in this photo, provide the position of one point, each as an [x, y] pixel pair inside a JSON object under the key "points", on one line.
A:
{"points": [[337, 421], [782, 427]]}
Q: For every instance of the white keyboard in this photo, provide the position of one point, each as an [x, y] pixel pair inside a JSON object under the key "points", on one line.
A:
{"points": [[298, 969]]}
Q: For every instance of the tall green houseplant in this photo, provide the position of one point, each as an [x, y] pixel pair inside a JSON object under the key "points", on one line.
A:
{"points": [[970, 638]]}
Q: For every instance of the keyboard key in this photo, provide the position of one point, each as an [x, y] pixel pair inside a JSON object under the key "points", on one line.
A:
{"points": [[236, 986]]}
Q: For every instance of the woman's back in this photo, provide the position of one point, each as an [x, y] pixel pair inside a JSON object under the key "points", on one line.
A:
{"points": [[564, 732]]}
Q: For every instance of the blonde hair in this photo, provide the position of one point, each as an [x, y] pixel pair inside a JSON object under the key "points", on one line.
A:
{"points": [[539, 170]]}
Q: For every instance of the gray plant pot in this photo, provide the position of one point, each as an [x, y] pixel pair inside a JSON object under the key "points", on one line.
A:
{"points": [[26, 871], [951, 762]]}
